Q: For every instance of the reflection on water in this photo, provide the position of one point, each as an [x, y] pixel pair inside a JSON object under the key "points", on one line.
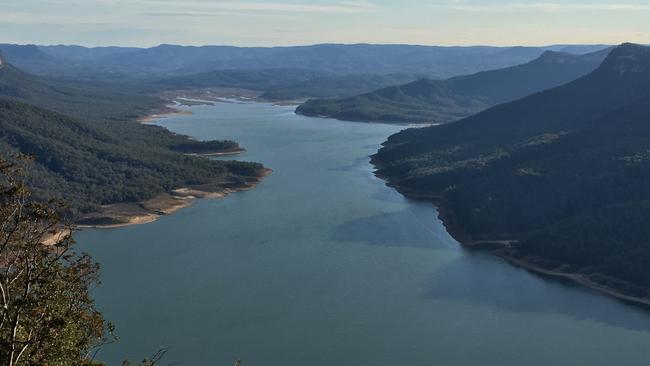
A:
{"points": [[412, 227], [475, 280]]}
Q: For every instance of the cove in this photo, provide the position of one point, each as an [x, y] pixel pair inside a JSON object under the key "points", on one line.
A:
{"points": [[322, 264]]}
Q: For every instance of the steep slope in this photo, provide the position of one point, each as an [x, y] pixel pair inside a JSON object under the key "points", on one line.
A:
{"points": [[29, 57], [101, 102], [559, 181], [442, 101]]}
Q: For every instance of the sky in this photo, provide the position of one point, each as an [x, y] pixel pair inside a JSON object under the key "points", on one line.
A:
{"points": [[144, 23]]}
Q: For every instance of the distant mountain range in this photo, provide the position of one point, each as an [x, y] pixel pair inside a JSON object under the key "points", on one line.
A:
{"points": [[436, 62], [442, 101], [558, 181]]}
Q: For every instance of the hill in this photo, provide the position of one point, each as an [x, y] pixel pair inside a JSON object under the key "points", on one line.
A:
{"points": [[90, 152], [557, 181], [110, 63], [29, 57], [332, 58], [96, 101], [283, 84], [442, 101], [336, 86], [79, 53]]}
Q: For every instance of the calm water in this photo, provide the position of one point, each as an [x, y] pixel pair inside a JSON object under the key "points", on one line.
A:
{"points": [[323, 265]]}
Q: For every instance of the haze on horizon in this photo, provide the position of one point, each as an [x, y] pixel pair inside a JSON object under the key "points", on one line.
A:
{"points": [[298, 22]]}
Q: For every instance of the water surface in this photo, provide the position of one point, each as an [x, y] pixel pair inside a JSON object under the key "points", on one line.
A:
{"points": [[323, 265]]}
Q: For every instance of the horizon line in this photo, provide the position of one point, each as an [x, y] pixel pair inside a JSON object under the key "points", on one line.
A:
{"points": [[317, 44]]}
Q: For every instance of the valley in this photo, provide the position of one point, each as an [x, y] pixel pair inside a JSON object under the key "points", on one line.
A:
{"points": [[498, 200]]}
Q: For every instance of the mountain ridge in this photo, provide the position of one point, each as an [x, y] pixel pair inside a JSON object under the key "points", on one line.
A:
{"points": [[442, 101], [561, 176], [344, 59]]}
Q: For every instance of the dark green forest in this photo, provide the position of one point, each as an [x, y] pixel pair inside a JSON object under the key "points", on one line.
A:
{"points": [[565, 172], [89, 150]]}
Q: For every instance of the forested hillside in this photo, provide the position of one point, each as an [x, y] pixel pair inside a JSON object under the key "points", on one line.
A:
{"points": [[442, 101], [90, 151], [285, 84], [562, 175], [98, 102]]}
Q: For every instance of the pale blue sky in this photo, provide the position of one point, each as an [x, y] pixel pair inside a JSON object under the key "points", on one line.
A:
{"points": [[292, 22]]}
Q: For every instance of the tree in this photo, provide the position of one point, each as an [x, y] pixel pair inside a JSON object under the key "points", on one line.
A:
{"points": [[47, 315], [152, 361]]}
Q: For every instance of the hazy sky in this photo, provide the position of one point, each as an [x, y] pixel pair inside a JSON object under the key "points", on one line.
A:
{"points": [[291, 22]]}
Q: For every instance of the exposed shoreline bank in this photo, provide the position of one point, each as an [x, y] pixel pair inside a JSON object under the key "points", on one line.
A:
{"points": [[503, 249], [211, 96], [119, 215], [144, 212], [220, 153], [161, 113]]}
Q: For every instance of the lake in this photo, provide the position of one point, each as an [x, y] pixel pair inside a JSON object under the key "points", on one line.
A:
{"points": [[322, 264]]}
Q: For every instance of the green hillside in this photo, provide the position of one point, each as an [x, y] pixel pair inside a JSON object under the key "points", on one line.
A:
{"points": [[442, 101], [89, 151], [564, 173], [284, 84]]}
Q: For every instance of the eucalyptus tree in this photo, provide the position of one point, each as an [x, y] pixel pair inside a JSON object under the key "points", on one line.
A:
{"points": [[47, 316]]}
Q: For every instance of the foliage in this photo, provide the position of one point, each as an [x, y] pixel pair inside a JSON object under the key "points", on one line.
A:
{"points": [[284, 84], [90, 152], [565, 172], [198, 147], [48, 317]]}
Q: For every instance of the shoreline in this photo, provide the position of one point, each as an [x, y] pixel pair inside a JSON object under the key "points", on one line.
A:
{"points": [[144, 212], [502, 249], [219, 153], [575, 277], [210, 96], [170, 111], [393, 123], [120, 215]]}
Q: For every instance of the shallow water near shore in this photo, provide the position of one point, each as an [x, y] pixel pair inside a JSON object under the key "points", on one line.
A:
{"points": [[322, 264]]}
